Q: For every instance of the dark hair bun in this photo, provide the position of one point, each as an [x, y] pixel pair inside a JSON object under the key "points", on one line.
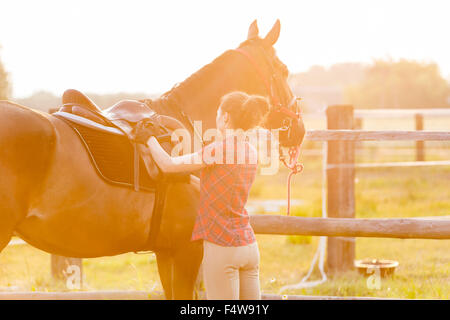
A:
{"points": [[254, 110], [246, 111]]}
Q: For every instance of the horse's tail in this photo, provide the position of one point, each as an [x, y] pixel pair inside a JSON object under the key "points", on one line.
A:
{"points": [[27, 143]]}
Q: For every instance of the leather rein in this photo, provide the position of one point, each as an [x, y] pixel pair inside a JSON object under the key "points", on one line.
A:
{"points": [[294, 152]]}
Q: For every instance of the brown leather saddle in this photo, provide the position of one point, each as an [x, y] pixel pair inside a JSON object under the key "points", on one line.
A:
{"points": [[123, 114], [109, 136], [110, 140]]}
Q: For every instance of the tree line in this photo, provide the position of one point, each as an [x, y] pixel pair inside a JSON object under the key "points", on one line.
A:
{"points": [[5, 87], [382, 84]]}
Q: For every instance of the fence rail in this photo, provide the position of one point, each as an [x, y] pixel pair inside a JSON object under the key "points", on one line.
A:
{"points": [[366, 135], [390, 113], [408, 228], [417, 114]]}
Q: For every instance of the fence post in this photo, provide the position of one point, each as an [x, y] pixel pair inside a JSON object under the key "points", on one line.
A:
{"points": [[420, 150], [341, 188], [67, 269]]}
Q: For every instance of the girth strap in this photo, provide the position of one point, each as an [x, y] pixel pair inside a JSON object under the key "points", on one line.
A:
{"points": [[136, 166], [158, 208]]}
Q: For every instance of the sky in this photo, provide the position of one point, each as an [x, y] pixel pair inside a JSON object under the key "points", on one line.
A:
{"points": [[148, 46]]}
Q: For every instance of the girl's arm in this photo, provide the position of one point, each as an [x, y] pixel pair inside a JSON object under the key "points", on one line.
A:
{"points": [[185, 163]]}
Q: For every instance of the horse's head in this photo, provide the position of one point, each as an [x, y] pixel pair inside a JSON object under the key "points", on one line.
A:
{"points": [[273, 73], [254, 68]]}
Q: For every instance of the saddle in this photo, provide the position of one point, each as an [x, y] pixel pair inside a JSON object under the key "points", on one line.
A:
{"points": [[114, 147], [124, 114]]}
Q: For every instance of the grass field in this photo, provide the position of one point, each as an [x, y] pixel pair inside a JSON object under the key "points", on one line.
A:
{"points": [[424, 270]]}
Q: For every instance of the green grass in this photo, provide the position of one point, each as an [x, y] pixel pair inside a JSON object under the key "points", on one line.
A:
{"points": [[424, 265], [423, 271], [23, 267]]}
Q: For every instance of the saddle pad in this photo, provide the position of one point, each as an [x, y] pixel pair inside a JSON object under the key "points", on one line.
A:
{"points": [[113, 157]]}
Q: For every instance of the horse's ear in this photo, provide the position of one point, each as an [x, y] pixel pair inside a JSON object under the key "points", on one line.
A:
{"points": [[273, 34], [253, 31]]}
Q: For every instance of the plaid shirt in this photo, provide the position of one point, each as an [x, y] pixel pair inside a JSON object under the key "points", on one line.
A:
{"points": [[224, 188]]}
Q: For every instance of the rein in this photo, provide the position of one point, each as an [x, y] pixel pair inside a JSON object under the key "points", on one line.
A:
{"points": [[294, 152]]}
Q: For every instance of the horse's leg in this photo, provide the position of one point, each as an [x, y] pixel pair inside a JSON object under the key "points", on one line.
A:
{"points": [[164, 259], [187, 261], [13, 206], [8, 222], [5, 236]]}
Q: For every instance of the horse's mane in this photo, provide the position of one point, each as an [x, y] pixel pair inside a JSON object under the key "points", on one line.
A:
{"points": [[178, 91], [197, 95], [209, 69]]}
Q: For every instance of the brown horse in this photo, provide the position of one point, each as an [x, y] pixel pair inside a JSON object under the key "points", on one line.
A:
{"points": [[52, 197]]}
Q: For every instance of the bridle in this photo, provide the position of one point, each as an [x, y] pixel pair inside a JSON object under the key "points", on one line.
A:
{"points": [[272, 89], [274, 98]]}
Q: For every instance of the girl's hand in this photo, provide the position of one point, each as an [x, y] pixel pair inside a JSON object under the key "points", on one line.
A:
{"points": [[143, 130]]}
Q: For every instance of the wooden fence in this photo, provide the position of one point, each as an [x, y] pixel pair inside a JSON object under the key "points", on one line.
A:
{"points": [[341, 190], [417, 115], [410, 228]]}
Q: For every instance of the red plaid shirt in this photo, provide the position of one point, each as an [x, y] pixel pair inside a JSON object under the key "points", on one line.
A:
{"points": [[224, 188]]}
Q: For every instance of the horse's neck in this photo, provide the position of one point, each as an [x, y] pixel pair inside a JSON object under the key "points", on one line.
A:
{"points": [[199, 95]]}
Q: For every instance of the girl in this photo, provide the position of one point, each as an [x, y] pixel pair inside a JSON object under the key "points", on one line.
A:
{"points": [[228, 169]]}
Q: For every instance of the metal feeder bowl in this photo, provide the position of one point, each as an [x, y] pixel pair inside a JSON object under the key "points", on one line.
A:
{"points": [[385, 267]]}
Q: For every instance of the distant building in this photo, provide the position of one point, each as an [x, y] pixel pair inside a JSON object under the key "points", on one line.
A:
{"points": [[317, 98], [320, 86]]}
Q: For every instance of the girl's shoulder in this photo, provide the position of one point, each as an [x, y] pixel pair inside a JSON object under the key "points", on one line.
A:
{"points": [[230, 148]]}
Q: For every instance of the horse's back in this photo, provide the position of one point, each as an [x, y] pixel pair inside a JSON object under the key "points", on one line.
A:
{"points": [[18, 120]]}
